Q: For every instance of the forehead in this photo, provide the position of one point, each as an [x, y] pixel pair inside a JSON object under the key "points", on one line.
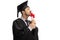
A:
{"points": [[27, 8]]}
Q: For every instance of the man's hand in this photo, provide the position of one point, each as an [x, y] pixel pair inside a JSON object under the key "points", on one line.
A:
{"points": [[32, 24]]}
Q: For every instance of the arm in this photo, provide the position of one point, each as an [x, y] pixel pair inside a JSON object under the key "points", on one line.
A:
{"points": [[35, 33], [20, 31]]}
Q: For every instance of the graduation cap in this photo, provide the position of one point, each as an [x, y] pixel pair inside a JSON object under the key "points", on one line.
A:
{"points": [[21, 7]]}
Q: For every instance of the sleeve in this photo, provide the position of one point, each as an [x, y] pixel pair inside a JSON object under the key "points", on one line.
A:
{"points": [[35, 33]]}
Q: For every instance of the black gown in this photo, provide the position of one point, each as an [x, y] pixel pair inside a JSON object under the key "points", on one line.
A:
{"points": [[22, 32]]}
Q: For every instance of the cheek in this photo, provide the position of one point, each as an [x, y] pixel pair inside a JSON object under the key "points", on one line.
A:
{"points": [[28, 12]]}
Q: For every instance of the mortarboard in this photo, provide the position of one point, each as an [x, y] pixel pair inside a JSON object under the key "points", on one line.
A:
{"points": [[21, 7]]}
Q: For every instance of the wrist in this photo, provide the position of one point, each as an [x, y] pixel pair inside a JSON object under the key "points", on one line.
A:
{"points": [[30, 28]]}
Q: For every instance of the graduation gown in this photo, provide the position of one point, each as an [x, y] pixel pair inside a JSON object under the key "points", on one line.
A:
{"points": [[22, 32]]}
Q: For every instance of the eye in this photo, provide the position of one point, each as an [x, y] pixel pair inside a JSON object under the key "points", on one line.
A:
{"points": [[28, 9]]}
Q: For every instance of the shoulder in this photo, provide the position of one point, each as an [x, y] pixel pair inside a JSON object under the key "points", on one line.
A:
{"points": [[17, 20]]}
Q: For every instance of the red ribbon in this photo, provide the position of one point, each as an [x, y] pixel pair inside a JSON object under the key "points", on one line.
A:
{"points": [[32, 15]]}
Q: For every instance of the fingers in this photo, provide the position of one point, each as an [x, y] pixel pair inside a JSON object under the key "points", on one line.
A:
{"points": [[33, 21]]}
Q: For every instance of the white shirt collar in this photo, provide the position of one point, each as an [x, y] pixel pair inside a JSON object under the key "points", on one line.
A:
{"points": [[23, 19]]}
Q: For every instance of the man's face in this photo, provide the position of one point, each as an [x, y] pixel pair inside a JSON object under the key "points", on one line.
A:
{"points": [[27, 11]]}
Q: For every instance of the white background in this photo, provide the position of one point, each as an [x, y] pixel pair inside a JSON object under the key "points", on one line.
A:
{"points": [[47, 16]]}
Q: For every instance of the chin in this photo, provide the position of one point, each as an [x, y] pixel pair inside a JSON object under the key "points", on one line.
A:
{"points": [[28, 15]]}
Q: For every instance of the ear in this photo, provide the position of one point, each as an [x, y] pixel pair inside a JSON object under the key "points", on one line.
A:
{"points": [[23, 12]]}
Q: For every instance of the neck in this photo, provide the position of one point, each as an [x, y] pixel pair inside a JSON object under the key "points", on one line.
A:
{"points": [[25, 17]]}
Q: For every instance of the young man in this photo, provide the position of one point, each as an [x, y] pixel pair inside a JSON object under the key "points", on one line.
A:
{"points": [[24, 29]]}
